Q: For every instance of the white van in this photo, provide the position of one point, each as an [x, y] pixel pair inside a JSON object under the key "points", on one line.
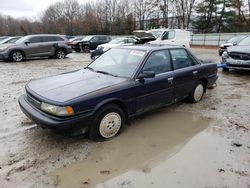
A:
{"points": [[165, 36]]}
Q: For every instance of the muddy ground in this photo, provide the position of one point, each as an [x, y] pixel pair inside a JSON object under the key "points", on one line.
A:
{"points": [[204, 145]]}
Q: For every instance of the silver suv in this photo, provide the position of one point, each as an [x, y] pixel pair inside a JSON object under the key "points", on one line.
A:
{"points": [[36, 46]]}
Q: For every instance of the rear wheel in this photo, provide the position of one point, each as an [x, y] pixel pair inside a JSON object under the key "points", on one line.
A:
{"points": [[86, 49], [60, 54], [197, 93], [108, 123], [16, 56]]}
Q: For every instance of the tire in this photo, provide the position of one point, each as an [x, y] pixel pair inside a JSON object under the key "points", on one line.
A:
{"points": [[60, 54], [224, 69], [78, 50], [16, 56], [108, 123], [86, 49], [197, 93]]}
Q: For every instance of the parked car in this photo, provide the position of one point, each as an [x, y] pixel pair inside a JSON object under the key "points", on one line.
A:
{"points": [[231, 42], [125, 41], [237, 57], [35, 46], [165, 36], [123, 83], [9, 40], [3, 37], [90, 43]]}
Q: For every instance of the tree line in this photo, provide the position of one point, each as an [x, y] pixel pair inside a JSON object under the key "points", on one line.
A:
{"points": [[119, 17]]}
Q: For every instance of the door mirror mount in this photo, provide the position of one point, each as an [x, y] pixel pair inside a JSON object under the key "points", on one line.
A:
{"points": [[27, 42], [146, 74]]}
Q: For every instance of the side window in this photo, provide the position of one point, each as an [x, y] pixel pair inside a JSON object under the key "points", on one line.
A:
{"points": [[169, 35], [159, 62], [180, 58], [94, 39], [59, 39], [48, 39], [35, 39]]}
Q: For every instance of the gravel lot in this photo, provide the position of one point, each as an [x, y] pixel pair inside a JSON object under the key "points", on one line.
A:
{"points": [[199, 145]]}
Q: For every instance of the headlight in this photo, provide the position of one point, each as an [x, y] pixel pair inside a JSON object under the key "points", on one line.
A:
{"points": [[57, 110], [3, 48], [99, 47], [225, 55]]}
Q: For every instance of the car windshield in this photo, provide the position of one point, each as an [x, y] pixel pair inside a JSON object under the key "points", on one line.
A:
{"points": [[245, 42], [235, 39], [87, 38], [117, 41], [22, 40], [157, 33], [118, 62]]}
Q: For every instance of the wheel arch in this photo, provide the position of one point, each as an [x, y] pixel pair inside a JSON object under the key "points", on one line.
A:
{"points": [[17, 49], [205, 81], [114, 101]]}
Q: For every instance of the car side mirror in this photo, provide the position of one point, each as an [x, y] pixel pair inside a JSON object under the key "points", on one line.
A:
{"points": [[27, 42], [234, 44], [146, 74]]}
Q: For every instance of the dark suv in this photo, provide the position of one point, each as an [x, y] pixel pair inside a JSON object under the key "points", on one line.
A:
{"points": [[90, 43], [36, 46]]}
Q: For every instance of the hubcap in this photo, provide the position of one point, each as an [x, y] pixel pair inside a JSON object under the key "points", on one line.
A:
{"points": [[60, 54], [17, 56], [110, 125], [198, 92]]}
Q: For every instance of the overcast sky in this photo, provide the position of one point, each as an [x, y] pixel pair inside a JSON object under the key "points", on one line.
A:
{"points": [[26, 8]]}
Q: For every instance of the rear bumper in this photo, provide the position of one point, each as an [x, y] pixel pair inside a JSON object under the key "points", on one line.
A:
{"points": [[57, 123], [211, 80]]}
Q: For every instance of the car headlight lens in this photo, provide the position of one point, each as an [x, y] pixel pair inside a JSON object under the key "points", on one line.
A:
{"points": [[225, 55], [57, 110], [3, 48]]}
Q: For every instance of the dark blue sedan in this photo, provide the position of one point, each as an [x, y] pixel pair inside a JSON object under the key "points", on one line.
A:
{"points": [[121, 84]]}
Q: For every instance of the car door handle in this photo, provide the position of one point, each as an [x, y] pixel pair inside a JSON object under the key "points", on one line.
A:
{"points": [[170, 80], [195, 72]]}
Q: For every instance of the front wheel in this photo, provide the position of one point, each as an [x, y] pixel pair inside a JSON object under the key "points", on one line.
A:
{"points": [[16, 56], [197, 93], [108, 123], [60, 54]]}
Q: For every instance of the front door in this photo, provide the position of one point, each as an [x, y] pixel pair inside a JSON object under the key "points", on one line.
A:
{"points": [[157, 91]]}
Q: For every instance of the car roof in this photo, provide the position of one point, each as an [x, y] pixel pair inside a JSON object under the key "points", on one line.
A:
{"points": [[45, 35], [150, 47]]}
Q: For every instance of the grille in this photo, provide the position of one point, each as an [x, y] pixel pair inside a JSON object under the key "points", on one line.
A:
{"points": [[34, 102], [241, 56]]}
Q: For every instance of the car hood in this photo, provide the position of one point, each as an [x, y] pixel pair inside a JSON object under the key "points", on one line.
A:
{"points": [[240, 49], [6, 45], [143, 34], [64, 87]]}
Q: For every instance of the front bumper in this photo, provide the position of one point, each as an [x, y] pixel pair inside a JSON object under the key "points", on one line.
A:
{"points": [[57, 123], [4, 56], [236, 64]]}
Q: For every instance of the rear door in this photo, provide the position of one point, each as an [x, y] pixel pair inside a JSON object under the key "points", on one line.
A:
{"points": [[157, 91], [186, 72]]}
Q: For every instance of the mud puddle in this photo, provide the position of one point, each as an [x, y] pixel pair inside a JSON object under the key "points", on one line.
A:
{"points": [[150, 141]]}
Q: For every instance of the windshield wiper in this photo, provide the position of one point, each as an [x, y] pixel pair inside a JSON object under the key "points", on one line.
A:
{"points": [[107, 73], [90, 69]]}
